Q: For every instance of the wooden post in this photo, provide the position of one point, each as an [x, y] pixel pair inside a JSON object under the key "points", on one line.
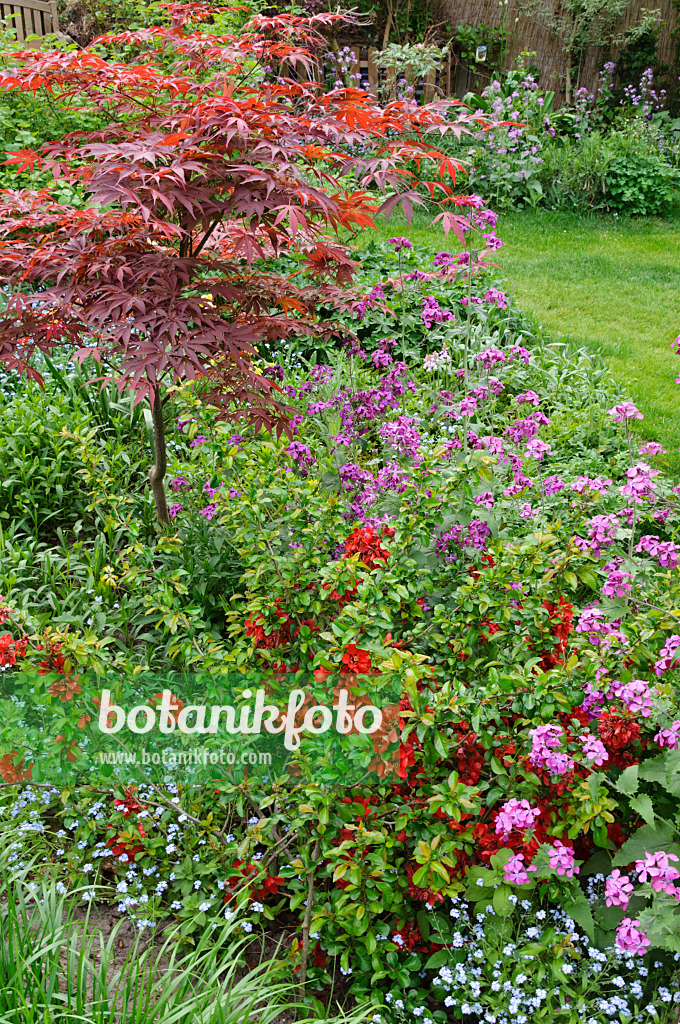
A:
{"points": [[429, 86], [373, 74]]}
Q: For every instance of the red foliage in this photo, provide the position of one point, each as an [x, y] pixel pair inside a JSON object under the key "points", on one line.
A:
{"points": [[200, 177]]}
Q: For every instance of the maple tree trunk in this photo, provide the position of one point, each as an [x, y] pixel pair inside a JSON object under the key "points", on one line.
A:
{"points": [[567, 83], [157, 471]]}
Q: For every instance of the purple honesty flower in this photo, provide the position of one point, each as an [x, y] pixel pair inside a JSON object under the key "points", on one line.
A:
{"points": [[514, 872], [209, 511], [184, 421], [174, 510], [546, 743], [400, 243], [178, 482], [593, 749], [515, 814], [625, 411], [669, 737], [538, 449], [497, 297], [528, 396], [630, 938], [521, 352], [486, 499], [553, 485], [474, 300], [493, 242], [668, 655], [562, 859], [665, 551], [585, 483], [652, 448], [618, 889], [526, 511], [601, 533], [301, 454], [490, 357], [433, 313], [616, 584], [403, 436], [657, 869], [198, 440]]}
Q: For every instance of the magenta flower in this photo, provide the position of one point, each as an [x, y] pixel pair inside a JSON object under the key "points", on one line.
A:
{"points": [[468, 406], [665, 551], [174, 510], [514, 871], [515, 814], [616, 584], [668, 655], [593, 749], [562, 860], [209, 511], [497, 297], [528, 396], [526, 511], [630, 938], [198, 440], [400, 243], [669, 737], [618, 889], [538, 449], [652, 448], [546, 752], [490, 357], [178, 482], [493, 242], [625, 411], [486, 499], [658, 870], [553, 485]]}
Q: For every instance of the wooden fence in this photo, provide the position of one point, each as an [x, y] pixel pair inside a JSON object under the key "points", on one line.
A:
{"points": [[30, 18]]}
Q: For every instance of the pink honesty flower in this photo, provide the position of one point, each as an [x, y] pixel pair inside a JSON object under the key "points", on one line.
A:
{"points": [[665, 551], [468, 406], [625, 411], [174, 510], [546, 743], [562, 859], [639, 484], [618, 889], [657, 869], [668, 655], [399, 243], [537, 449], [553, 485], [636, 695], [515, 814], [486, 499], [616, 584], [630, 938], [669, 737], [526, 511], [209, 511], [676, 345], [594, 749], [490, 357], [652, 448], [514, 871], [528, 396]]}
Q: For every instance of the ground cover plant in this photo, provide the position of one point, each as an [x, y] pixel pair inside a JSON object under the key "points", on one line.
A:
{"points": [[460, 527]]}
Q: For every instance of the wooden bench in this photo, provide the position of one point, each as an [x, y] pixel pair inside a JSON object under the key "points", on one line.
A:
{"points": [[30, 18]]}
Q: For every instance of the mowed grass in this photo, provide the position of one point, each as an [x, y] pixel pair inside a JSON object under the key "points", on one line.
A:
{"points": [[611, 285]]}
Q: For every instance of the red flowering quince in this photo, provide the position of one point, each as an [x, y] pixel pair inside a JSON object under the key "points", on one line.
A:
{"points": [[356, 660]]}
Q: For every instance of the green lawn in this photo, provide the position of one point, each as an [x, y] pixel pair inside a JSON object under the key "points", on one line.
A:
{"points": [[611, 285]]}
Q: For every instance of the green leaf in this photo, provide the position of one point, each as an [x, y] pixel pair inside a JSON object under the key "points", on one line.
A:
{"points": [[437, 960], [501, 900], [628, 781], [579, 908], [645, 808]]}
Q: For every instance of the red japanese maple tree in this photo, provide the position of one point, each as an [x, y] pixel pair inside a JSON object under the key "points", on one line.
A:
{"points": [[209, 166]]}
